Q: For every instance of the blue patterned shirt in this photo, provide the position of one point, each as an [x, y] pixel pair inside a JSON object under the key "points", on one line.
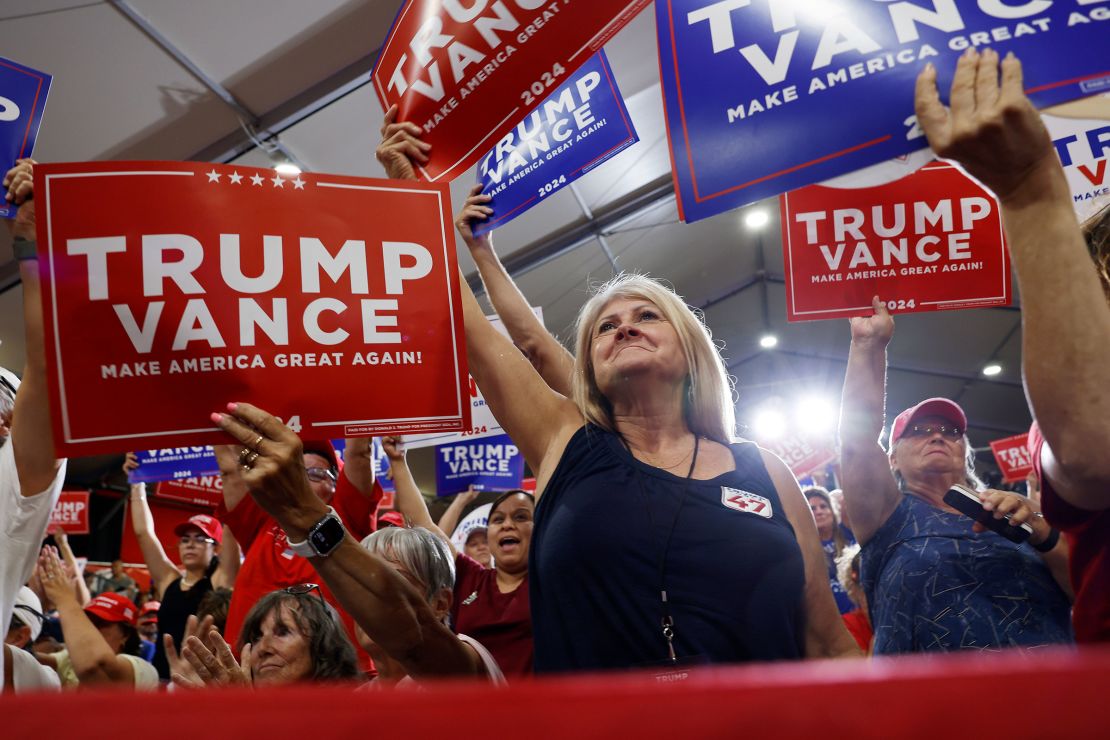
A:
{"points": [[933, 585]]}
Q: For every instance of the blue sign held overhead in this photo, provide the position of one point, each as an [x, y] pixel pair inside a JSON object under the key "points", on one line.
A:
{"points": [[578, 127], [488, 464], [174, 463], [767, 96], [22, 101]]}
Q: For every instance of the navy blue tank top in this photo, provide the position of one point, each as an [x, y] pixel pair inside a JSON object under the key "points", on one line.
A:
{"points": [[734, 571]]}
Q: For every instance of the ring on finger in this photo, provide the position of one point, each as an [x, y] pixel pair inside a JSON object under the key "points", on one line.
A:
{"points": [[243, 454], [250, 459], [257, 444]]}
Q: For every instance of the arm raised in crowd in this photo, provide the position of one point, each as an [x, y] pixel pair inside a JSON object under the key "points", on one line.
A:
{"points": [[94, 660], [72, 567], [32, 432], [410, 501], [870, 491], [539, 419], [994, 133], [550, 358], [162, 570], [383, 602], [401, 145], [450, 518], [358, 464]]}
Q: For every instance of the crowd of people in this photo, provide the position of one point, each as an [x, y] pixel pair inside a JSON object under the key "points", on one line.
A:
{"points": [[656, 538]]}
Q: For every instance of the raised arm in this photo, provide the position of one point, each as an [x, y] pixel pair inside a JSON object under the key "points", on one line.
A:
{"points": [[994, 133], [870, 491], [72, 567], [410, 501], [383, 603], [450, 518], [93, 659], [228, 569], [358, 464], [32, 433], [163, 572], [550, 358], [539, 420]]}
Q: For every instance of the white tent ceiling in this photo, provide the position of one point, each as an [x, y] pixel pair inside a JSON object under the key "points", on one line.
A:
{"points": [[299, 70]]}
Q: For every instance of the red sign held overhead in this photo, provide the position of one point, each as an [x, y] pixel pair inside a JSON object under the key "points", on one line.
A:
{"points": [[173, 288], [1012, 456], [468, 72], [931, 241], [71, 513]]}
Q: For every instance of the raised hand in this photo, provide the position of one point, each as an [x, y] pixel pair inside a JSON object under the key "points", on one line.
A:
{"points": [[401, 146], [270, 459], [394, 448], [474, 210], [179, 667], [990, 128], [876, 329], [213, 663], [56, 583], [20, 182]]}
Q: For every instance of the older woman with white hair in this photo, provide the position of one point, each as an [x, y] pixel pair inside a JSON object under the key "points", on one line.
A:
{"points": [[427, 563]]}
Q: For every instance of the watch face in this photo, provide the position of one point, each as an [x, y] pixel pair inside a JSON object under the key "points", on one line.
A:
{"points": [[327, 535]]}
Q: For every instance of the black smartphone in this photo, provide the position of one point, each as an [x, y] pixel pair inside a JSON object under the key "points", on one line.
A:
{"points": [[964, 500]]}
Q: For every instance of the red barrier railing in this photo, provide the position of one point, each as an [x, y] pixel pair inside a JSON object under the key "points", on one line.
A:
{"points": [[1050, 693]]}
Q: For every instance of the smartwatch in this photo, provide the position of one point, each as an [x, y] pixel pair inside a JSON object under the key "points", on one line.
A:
{"points": [[325, 536]]}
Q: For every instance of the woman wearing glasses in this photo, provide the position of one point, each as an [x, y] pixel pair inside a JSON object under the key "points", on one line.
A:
{"points": [[935, 579], [201, 540]]}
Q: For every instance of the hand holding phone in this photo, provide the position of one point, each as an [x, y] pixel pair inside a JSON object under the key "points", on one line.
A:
{"points": [[967, 502]]}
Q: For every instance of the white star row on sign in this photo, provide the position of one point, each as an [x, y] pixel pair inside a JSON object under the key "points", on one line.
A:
{"points": [[256, 179]]}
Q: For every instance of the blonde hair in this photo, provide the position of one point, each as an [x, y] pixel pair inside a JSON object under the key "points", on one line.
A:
{"points": [[708, 406]]}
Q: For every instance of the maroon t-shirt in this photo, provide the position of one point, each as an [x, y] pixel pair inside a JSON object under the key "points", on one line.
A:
{"points": [[1088, 536], [501, 622]]}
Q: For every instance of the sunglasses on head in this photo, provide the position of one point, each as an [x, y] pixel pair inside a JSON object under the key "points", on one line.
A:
{"points": [[304, 589]]}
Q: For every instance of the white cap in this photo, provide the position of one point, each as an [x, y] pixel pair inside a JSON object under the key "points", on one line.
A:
{"points": [[29, 610]]}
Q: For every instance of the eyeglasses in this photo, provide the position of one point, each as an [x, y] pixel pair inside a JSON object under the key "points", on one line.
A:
{"points": [[319, 475], [196, 539], [30, 610], [303, 589], [928, 430]]}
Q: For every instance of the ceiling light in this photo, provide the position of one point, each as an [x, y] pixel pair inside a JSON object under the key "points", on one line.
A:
{"points": [[756, 219], [992, 369], [287, 168], [815, 414], [767, 341], [768, 424]]}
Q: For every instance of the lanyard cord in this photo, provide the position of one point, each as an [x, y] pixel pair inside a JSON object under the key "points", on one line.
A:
{"points": [[667, 622]]}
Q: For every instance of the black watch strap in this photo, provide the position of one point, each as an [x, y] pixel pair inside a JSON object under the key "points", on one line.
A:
{"points": [[25, 249], [1050, 542]]}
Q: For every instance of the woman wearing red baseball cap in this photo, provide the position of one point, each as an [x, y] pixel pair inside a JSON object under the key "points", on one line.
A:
{"points": [[935, 578], [102, 642], [201, 539]]}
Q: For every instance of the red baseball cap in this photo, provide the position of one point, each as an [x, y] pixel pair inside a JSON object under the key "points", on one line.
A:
{"points": [[942, 407], [209, 525], [149, 611], [113, 607], [391, 519]]}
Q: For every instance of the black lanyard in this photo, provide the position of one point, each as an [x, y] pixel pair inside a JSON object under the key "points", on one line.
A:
{"points": [[667, 622]]}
